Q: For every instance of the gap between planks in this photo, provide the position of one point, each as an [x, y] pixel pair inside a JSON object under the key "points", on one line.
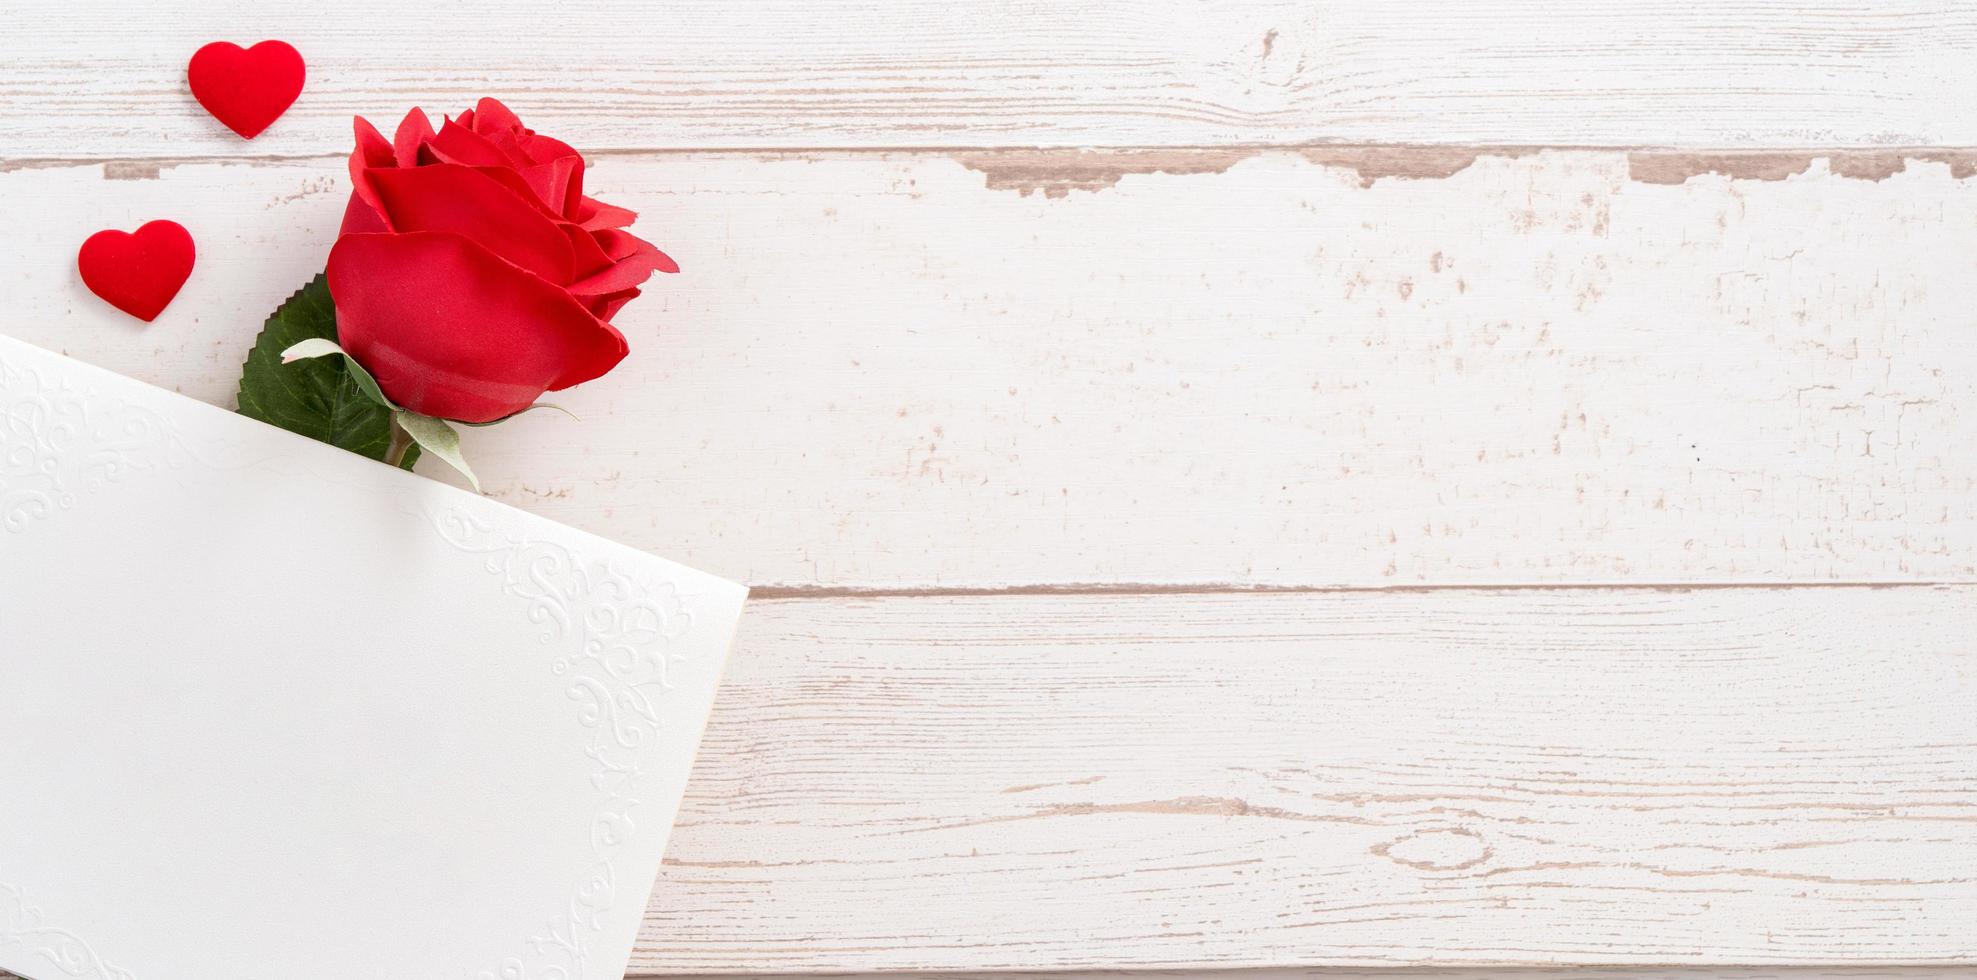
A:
{"points": [[779, 592], [1595, 973], [1058, 170], [1324, 973]]}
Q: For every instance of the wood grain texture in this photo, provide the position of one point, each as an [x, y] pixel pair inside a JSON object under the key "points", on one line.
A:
{"points": [[1731, 776], [1291, 297], [1323, 973], [104, 78], [1403, 973], [879, 371]]}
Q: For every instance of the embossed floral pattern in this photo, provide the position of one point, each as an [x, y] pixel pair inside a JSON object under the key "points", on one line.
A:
{"points": [[609, 634], [22, 925], [615, 655], [58, 442]]}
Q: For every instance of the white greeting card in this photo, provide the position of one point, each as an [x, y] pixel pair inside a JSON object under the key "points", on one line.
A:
{"points": [[272, 710]]}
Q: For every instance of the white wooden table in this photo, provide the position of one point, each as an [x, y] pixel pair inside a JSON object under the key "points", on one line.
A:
{"points": [[1293, 485]]}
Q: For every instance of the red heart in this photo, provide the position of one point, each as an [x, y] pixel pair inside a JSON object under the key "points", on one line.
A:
{"points": [[139, 272], [246, 88]]}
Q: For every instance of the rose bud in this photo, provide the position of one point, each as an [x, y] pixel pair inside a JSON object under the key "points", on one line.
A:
{"points": [[472, 274]]}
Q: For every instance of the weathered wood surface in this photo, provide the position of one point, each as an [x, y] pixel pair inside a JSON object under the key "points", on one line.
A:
{"points": [[1537, 369], [1289, 299], [104, 78], [1455, 777], [1434, 973], [1327, 973]]}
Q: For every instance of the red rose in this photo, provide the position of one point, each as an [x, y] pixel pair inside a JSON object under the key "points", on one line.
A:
{"points": [[472, 274]]}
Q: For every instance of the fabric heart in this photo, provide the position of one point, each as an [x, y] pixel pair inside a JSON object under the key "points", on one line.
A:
{"points": [[138, 272], [246, 88]]}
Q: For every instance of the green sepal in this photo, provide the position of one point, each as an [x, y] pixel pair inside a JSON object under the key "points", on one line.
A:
{"points": [[531, 408], [438, 438]]}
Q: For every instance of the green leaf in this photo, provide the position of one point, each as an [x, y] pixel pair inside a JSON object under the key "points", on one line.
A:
{"points": [[318, 347], [436, 437], [321, 398]]}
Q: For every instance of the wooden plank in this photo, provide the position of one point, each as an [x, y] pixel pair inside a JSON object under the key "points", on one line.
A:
{"points": [[1654, 973], [902, 371], [1402, 973], [104, 78], [1455, 778]]}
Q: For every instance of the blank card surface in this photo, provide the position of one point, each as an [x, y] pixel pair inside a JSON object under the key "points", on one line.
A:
{"points": [[270, 709]]}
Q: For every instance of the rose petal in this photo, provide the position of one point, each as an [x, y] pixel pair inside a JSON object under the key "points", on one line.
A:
{"points": [[361, 218], [510, 149], [542, 148], [371, 151], [605, 307], [413, 132], [619, 245], [467, 202], [451, 330], [372, 147], [662, 262], [596, 215], [589, 258], [625, 272], [622, 245], [455, 143], [554, 182], [490, 116], [507, 177]]}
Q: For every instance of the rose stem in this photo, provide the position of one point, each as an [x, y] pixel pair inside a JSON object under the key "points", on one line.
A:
{"points": [[401, 440]]}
